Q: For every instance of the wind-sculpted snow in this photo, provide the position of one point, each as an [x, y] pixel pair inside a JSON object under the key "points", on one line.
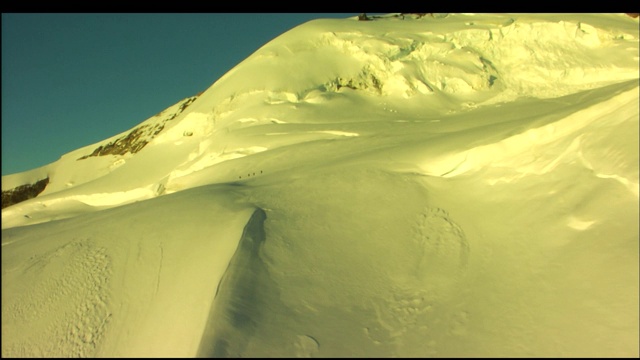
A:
{"points": [[409, 186], [240, 297], [347, 252], [99, 285], [71, 283]]}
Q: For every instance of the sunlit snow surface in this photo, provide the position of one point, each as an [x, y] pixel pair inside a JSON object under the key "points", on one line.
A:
{"points": [[437, 186]]}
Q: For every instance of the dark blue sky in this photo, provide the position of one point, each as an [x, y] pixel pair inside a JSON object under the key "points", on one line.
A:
{"points": [[70, 80]]}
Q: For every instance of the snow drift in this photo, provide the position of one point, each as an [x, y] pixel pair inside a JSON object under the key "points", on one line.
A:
{"points": [[454, 185]]}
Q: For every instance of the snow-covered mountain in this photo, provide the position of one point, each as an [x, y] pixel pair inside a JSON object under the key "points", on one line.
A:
{"points": [[411, 185]]}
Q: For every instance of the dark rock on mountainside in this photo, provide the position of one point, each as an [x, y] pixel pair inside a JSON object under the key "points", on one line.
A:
{"points": [[365, 81], [23, 192], [132, 142], [138, 138]]}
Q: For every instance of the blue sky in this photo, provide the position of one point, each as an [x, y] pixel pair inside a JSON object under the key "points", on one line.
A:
{"points": [[70, 80]]}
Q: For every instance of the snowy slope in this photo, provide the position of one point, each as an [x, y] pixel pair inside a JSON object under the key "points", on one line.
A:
{"points": [[460, 185]]}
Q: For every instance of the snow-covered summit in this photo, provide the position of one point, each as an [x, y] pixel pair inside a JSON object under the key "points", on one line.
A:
{"points": [[411, 185], [393, 68]]}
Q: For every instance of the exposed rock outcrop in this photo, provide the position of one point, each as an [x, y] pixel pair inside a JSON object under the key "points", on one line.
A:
{"points": [[138, 138], [23, 192], [132, 142]]}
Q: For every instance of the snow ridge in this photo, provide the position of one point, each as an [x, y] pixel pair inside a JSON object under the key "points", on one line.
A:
{"points": [[238, 295]]}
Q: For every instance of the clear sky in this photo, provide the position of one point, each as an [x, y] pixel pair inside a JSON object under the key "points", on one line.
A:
{"points": [[70, 80]]}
